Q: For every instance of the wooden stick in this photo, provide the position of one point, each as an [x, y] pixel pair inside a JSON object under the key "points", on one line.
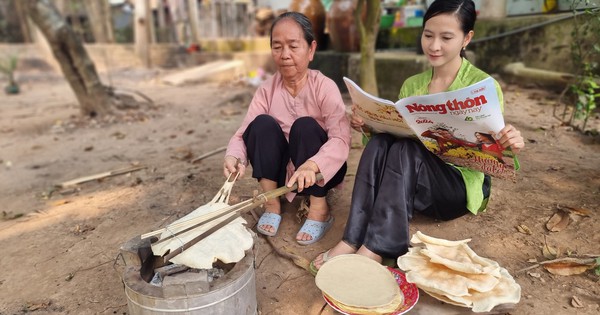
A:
{"points": [[100, 176], [193, 223], [259, 200], [207, 217], [208, 154]]}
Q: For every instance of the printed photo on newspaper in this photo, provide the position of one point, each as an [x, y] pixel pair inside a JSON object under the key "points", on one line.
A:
{"points": [[459, 126]]}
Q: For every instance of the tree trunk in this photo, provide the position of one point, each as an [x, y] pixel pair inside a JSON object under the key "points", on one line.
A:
{"points": [[98, 12], [76, 65], [24, 25], [142, 20], [368, 36]]}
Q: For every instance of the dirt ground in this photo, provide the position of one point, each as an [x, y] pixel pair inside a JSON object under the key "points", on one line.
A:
{"points": [[60, 246]]}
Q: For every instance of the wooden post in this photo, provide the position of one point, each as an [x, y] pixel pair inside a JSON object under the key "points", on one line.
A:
{"points": [[162, 23], [142, 31], [214, 20], [193, 18]]}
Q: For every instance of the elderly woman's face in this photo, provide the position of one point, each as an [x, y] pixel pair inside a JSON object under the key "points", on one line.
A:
{"points": [[290, 50]]}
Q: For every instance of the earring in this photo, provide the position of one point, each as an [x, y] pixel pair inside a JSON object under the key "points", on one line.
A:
{"points": [[465, 48]]}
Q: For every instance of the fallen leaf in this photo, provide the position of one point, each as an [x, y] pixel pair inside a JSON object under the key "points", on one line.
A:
{"points": [[534, 274], [549, 251], [567, 268], [522, 228], [182, 154], [230, 111], [558, 221], [119, 135], [577, 211], [576, 302], [59, 202], [69, 277], [532, 260]]}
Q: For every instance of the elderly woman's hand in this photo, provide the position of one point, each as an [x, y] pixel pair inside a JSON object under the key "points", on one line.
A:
{"points": [[305, 175], [356, 121], [509, 136], [231, 164]]}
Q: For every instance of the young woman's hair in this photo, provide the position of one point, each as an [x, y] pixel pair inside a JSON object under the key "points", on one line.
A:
{"points": [[463, 9], [301, 20]]}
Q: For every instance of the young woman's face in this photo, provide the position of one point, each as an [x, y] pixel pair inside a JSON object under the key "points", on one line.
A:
{"points": [[443, 39], [290, 50]]}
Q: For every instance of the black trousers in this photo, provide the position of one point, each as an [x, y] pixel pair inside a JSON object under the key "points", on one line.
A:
{"points": [[395, 179], [269, 152]]}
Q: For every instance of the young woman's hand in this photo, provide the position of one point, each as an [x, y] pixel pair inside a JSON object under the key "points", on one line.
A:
{"points": [[509, 136], [305, 175], [356, 121], [231, 164]]}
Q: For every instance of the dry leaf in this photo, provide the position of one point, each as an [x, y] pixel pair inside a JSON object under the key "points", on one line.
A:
{"points": [[534, 274], [182, 154], [59, 202], [230, 111], [576, 302], [119, 135], [578, 211], [522, 228], [567, 268], [549, 251], [558, 221]]}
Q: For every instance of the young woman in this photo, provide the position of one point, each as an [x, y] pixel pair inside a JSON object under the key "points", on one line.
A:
{"points": [[397, 178], [295, 128]]}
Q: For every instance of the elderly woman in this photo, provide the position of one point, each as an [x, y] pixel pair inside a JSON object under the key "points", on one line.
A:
{"points": [[295, 128]]}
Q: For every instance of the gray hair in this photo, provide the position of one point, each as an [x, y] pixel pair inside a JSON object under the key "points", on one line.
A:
{"points": [[301, 20]]}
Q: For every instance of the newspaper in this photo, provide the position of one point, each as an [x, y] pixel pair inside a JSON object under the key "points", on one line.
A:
{"points": [[459, 126]]}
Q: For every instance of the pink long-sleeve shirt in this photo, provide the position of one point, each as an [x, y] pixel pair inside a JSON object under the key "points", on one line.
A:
{"points": [[319, 99]]}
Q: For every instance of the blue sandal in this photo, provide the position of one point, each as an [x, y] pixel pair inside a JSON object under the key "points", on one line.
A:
{"points": [[316, 229], [269, 218]]}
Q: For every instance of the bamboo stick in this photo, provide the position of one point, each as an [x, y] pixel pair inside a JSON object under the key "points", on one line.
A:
{"points": [[256, 201], [198, 220]]}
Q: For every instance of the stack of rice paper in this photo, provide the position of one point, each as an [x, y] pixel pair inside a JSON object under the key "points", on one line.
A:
{"points": [[452, 272], [359, 285]]}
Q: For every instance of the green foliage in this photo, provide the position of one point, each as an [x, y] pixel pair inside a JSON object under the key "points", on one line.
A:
{"points": [[585, 88], [597, 270], [8, 66]]}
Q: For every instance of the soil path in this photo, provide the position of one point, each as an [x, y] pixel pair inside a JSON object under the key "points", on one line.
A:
{"points": [[59, 247]]}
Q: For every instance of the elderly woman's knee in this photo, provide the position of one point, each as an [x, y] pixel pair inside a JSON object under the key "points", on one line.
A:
{"points": [[305, 126], [263, 123]]}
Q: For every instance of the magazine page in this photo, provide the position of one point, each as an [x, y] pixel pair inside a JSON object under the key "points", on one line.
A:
{"points": [[460, 127], [378, 114]]}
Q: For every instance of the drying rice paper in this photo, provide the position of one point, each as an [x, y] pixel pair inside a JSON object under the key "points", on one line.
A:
{"points": [[359, 284], [452, 272], [506, 292], [228, 244], [441, 279], [419, 238], [460, 258]]}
